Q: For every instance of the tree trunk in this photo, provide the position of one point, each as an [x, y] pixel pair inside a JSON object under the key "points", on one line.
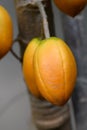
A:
{"points": [[46, 116]]}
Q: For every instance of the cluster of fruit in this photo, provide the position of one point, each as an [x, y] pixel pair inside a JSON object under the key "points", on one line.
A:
{"points": [[49, 66]]}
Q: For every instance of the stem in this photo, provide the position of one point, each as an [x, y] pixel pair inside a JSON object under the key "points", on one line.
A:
{"points": [[44, 17], [14, 54]]}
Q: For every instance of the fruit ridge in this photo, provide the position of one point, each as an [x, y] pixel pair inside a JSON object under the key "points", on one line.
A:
{"points": [[28, 68], [55, 71]]}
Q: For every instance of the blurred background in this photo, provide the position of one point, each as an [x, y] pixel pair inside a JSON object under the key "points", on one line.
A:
{"points": [[15, 109]]}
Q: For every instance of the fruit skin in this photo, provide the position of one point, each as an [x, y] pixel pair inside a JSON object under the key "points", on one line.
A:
{"points": [[55, 70], [6, 32], [28, 68], [71, 7]]}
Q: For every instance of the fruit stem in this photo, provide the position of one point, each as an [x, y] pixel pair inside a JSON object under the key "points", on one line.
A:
{"points": [[44, 17]]}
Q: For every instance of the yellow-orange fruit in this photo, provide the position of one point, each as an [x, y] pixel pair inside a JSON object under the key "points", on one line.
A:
{"points": [[71, 7], [6, 32], [55, 70], [28, 67]]}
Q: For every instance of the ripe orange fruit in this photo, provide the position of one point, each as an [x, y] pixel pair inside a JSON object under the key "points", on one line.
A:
{"points": [[71, 7], [28, 67], [55, 70], [6, 32], [50, 70]]}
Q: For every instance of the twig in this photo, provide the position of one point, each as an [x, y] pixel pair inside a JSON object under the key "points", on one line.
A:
{"points": [[44, 16], [73, 121], [14, 54]]}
